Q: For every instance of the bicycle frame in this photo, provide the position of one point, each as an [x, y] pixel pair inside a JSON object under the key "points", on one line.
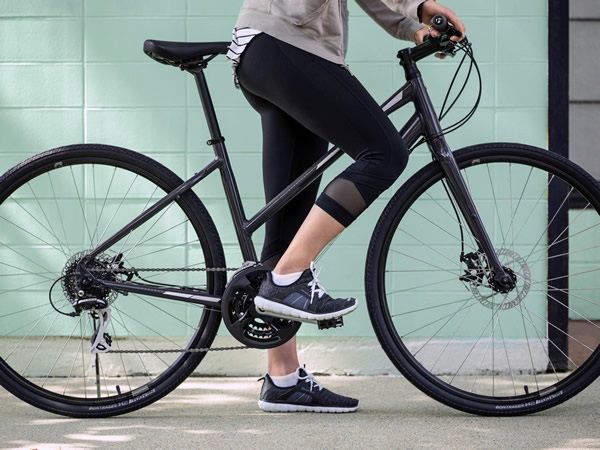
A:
{"points": [[423, 123]]}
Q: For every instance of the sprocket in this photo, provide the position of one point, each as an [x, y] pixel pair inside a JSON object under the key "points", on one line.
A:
{"points": [[74, 284]]}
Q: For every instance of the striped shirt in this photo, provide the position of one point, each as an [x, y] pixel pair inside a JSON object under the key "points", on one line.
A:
{"points": [[240, 38]]}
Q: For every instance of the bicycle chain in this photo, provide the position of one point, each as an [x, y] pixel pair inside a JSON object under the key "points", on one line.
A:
{"points": [[167, 269], [157, 269], [189, 350]]}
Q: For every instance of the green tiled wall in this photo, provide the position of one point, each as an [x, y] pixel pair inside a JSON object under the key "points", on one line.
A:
{"points": [[73, 71]]}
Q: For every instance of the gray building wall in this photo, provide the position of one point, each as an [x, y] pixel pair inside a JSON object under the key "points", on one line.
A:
{"points": [[584, 84]]}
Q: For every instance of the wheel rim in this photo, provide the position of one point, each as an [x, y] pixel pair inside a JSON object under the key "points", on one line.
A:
{"points": [[472, 342], [52, 219]]}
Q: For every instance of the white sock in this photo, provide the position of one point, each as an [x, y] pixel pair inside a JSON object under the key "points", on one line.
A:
{"points": [[285, 280], [286, 380]]}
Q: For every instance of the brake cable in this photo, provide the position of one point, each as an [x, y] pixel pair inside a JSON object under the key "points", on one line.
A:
{"points": [[467, 49]]}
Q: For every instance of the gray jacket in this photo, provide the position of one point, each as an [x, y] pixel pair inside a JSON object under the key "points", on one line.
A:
{"points": [[321, 26]]}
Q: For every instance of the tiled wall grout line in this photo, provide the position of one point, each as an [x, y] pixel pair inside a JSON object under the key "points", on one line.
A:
{"points": [[83, 73], [495, 122]]}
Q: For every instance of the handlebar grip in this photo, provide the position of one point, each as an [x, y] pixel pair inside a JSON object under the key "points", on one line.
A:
{"points": [[441, 24]]}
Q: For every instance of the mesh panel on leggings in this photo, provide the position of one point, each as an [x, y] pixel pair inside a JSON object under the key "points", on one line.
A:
{"points": [[345, 193]]}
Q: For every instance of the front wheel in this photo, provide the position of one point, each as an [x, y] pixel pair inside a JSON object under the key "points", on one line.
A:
{"points": [[442, 323], [54, 209]]}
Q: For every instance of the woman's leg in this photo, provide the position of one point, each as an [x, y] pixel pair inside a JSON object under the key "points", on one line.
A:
{"points": [[293, 391], [318, 229], [288, 150]]}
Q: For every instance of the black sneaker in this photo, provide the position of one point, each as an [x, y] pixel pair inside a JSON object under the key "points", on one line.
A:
{"points": [[307, 396], [304, 299]]}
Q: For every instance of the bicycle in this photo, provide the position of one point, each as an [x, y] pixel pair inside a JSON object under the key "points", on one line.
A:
{"points": [[466, 312]]}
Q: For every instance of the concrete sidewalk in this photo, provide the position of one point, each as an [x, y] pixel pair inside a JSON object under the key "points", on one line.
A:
{"points": [[222, 413]]}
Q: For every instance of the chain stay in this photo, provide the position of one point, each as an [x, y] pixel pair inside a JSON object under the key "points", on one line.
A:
{"points": [[189, 269], [182, 269]]}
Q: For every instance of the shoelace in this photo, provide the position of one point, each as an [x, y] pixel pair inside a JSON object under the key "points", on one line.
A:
{"points": [[314, 284], [311, 378]]}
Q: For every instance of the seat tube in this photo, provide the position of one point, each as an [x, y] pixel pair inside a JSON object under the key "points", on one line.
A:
{"points": [[232, 192]]}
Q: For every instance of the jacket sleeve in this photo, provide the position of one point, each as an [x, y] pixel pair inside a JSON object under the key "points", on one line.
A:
{"points": [[402, 25]]}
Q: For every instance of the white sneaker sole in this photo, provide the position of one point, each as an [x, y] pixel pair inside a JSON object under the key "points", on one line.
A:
{"points": [[271, 308], [285, 407]]}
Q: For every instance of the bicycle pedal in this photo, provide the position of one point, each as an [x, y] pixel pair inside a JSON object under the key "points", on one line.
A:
{"points": [[331, 323]]}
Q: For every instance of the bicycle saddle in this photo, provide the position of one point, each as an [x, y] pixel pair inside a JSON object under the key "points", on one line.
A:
{"points": [[176, 53]]}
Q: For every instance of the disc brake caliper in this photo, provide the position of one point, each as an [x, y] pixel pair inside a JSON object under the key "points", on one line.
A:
{"points": [[475, 271]]}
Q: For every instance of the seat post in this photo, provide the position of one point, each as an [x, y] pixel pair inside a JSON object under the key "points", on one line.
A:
{"points": [[207, 105]]}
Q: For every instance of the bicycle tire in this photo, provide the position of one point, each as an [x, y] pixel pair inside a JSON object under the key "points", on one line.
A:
{"points": [[451, 363], [91, 166]]}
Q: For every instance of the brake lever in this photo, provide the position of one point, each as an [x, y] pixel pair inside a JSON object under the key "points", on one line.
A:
{"points": [[445, 44]]}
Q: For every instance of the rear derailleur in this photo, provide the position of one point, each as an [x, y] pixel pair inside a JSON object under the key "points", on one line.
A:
{"points": [[101, 340]]}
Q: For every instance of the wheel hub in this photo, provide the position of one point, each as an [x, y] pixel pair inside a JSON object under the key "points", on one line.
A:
{"points": [[500, 294]]}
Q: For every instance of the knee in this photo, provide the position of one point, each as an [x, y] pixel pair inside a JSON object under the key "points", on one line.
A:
{"points": [[397, 161], [388, 160]]}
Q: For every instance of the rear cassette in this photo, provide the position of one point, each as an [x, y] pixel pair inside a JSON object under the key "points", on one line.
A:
{"points": [[242, 319]]}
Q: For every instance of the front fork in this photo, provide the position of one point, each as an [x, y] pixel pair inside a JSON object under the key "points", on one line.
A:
{"points": [[431, 129], [500, 278]]}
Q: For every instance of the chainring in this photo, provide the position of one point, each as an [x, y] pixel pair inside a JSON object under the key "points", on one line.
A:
{"points": [[243, 320]]}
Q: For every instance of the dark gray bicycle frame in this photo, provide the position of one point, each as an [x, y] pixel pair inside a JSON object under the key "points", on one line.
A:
{"points": [[424, 122]]}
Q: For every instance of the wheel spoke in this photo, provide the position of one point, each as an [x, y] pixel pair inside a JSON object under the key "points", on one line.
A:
{"points": [[61, 351], [60, 216]]}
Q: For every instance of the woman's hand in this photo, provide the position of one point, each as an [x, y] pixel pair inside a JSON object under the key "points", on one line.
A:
{"points": [[429, 9], [420, 35]]}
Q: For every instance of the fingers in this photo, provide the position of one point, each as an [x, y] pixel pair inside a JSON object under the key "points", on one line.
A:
{"points": [[454, 20], [431, 8], [420, 35]]}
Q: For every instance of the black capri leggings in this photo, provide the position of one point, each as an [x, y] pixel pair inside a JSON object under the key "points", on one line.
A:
{"points": [[306, 102]]}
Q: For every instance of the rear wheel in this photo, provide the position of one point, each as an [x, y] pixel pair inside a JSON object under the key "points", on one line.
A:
{"points": [[55, 208], [443, 324]]}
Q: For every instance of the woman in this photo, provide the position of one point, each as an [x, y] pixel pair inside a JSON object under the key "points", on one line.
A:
{"points": [[288, 58]]}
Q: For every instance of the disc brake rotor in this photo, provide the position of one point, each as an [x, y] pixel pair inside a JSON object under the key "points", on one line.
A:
{"points": [[518, 269]]}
